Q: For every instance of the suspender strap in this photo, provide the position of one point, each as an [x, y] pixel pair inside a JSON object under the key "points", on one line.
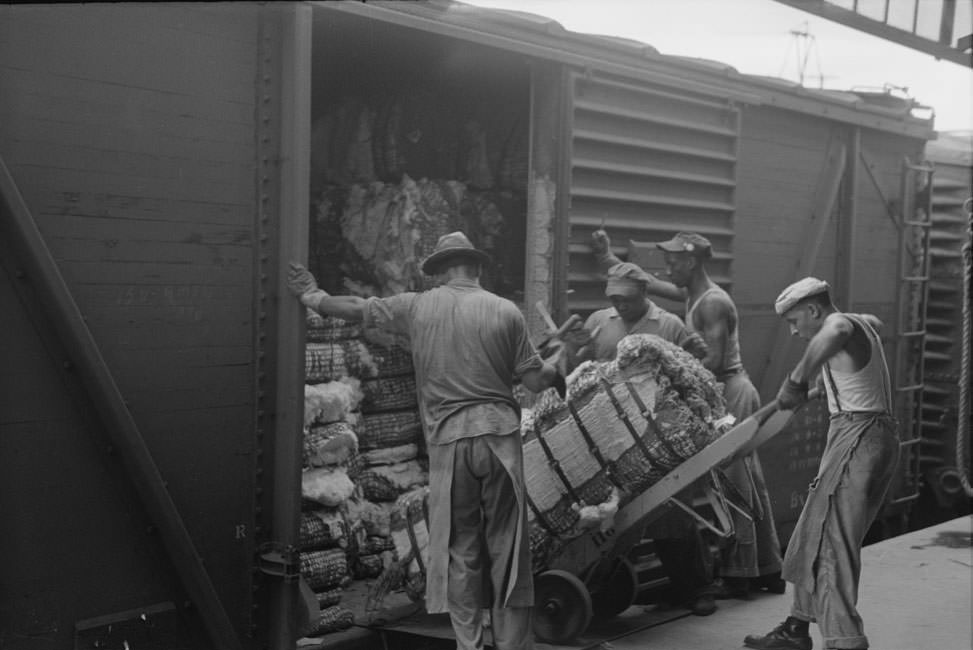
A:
{"points": [[834, 386], [556, 466], [592, 446], [539, 516], [412, 538]]}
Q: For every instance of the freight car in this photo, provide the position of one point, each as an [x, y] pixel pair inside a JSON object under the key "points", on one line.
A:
{"points": [[161, 165]]}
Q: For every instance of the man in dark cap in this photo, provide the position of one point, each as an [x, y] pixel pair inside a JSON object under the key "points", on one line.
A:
{"points": [[751, 559], [468, 346], [824, 555], [632, 312], [677, 541]]}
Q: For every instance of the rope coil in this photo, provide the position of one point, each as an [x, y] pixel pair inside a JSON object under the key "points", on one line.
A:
{"points": [[963, 429]]}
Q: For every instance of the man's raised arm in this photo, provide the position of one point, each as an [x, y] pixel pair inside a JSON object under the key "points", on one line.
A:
{"points": [[605, 258]]}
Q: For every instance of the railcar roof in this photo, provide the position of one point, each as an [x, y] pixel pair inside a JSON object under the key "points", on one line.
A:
{"points": [[545, 38]]}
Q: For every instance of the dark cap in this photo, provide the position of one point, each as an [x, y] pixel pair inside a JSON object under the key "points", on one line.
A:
{"points": [[687, 242], [626, 278], [451, 246]]}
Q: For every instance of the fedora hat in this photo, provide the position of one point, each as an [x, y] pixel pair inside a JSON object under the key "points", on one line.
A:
{"points": [[450, 246]]}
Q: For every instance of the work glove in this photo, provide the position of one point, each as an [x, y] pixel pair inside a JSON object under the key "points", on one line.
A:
{"points": [[791, 395], [696, 346], [300, 281], [302, 284]]}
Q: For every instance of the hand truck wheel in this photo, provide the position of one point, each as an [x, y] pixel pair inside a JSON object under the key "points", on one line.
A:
{"points": [[562, 607], [617, 592]]}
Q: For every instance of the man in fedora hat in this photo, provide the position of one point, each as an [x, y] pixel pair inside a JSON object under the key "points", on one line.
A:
{"points": [[823, 558], [751, 559], [468, 347]]}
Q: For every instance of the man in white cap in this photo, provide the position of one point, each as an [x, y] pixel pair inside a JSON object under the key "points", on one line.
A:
{"points": [[751, 559], [677, 541], [468, 346], [823, 557]]}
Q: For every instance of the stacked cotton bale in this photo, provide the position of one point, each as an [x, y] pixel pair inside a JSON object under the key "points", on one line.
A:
{"points": [[391, 455], [336, 360], [363, 448]]}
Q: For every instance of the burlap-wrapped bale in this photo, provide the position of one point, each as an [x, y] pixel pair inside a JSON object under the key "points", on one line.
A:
{"points": [[389, 394], [389, 455], [331, 619], [323, 528], [388, 482], [329, 445], [390, 360], [331, 361], [328, 329], [329, 597], [325, 569], [389, 429]]}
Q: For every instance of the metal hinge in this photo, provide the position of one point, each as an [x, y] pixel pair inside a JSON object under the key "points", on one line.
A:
{"points": [[280, 561]]}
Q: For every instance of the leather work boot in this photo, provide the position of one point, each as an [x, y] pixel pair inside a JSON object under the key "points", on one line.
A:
{"points": [[703, 605], [792, 634]]}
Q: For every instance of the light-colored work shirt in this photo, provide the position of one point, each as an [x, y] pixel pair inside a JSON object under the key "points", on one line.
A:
{"points": [[468, 345], [656, 321]]}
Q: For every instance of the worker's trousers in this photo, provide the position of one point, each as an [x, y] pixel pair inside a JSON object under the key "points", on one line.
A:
{"points": [[482, 531], [841, 505]]}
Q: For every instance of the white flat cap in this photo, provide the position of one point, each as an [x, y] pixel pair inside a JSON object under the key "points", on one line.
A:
{"points": [[795, 293]]}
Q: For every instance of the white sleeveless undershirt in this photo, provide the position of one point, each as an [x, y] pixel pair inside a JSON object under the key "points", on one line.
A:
{"points": [[866, 390]]}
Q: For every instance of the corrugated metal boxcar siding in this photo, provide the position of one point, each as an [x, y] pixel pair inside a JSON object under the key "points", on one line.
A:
{"points": [[130, 133], [648, 162]]}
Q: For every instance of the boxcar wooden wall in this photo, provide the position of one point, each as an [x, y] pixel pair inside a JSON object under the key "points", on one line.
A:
{"points": [[782, 158], [130, 132]]}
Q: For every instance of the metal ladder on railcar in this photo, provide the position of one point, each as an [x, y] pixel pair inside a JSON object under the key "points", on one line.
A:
{"points": [[944, 341], [912, 296]]}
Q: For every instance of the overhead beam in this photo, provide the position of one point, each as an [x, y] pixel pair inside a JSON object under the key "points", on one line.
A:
{"points": [[938, 48]]}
